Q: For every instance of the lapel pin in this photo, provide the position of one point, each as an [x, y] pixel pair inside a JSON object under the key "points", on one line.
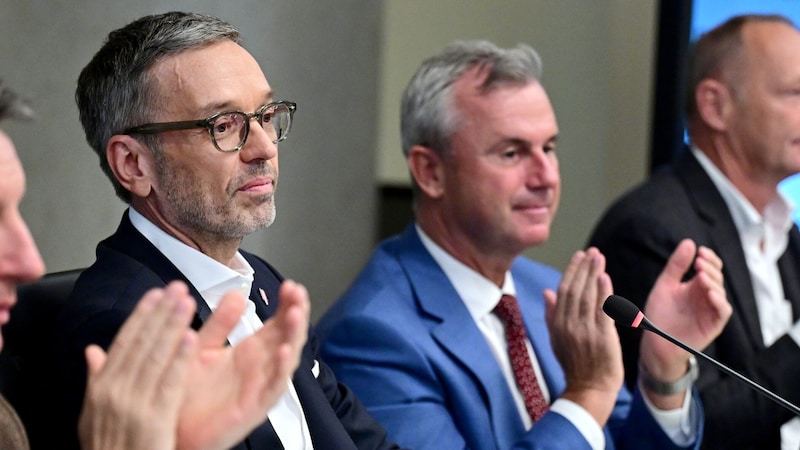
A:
{"points": [[263, 296]]}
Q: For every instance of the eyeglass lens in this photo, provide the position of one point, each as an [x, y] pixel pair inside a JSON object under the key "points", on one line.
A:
{"points": [[230, 130]]}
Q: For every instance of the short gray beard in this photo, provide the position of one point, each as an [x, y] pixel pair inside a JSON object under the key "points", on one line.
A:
{"points": [[188, 210]]}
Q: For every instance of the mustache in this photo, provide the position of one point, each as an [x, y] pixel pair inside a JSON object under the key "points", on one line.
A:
{"points": [[259, 169]]}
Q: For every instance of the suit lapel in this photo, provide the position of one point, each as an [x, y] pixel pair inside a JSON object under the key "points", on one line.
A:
{"points": [[790, 272], [129, 241], [266, 283], [458, 334], [724, 238], [323, 424], [318, 413]]}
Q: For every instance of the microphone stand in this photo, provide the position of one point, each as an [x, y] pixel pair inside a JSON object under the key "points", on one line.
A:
{"points": [[647, 325]]}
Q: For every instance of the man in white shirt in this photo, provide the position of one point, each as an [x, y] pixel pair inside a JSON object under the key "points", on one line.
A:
{"points": [[187, 128], [142, 393], [743, 116]]}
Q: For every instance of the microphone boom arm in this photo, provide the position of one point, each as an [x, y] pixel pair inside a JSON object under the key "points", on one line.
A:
{"points": [[626, 313], [647, 325]]}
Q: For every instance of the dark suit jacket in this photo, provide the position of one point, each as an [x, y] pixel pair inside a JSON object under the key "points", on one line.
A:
{"points": [[639, 232], [106, 293], [403, 339]]}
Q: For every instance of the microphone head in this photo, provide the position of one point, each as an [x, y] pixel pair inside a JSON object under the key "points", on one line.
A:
{"points": [[623, 311]]}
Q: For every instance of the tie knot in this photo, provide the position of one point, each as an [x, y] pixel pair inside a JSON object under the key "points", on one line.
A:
{"points": [[508, 310]]}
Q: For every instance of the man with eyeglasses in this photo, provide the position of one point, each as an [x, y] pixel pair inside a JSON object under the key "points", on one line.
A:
{"points": [[136, 390], [187, 129]]}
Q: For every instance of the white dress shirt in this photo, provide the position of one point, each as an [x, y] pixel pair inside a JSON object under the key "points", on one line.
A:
{"points": [[213, 280], [764, 239], [480, 296]]}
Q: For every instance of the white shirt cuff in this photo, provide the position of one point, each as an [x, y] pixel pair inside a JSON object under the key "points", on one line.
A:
{"points": [[583, 421], [679, 424]]}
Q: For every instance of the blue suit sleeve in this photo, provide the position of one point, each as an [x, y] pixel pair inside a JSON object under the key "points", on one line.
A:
{"points": [[405, 391]]}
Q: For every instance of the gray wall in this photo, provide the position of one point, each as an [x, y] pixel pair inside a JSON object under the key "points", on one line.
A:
{"points": [[344, 63]]}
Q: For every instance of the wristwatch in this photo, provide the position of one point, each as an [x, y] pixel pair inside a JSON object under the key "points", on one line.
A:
{"points": [[670, 387]]}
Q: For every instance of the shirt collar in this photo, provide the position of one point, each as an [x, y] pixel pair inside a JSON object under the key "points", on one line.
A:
{"points": [[202, 271], [478, 293], [777, 215]]}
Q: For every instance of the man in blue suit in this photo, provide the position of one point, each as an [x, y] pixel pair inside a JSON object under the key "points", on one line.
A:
{"points": [[420, 335]]}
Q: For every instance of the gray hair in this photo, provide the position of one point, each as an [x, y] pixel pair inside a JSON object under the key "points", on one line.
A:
{"points": [[12, 106], [427, 114], [115, 90]]}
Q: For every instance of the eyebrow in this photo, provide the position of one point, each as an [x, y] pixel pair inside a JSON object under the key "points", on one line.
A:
{"points": [[525, 142], [213, 108]]}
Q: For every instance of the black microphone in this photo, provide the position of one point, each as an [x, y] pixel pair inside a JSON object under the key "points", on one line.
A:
{"points": [[626, 313]]}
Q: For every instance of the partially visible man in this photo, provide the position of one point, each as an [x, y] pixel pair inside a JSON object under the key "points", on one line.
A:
{"points": [[453, 340], [137, 392], [187, 128], [743, 118]]}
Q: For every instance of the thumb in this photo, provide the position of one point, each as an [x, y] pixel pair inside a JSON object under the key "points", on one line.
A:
{"points": [[214, 332], [550, 299], [679, 262], [95, 359]]}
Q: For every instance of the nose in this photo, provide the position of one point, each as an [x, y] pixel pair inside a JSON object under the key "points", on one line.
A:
{"points": [[258, 145], [543, 169], [20, 260]]}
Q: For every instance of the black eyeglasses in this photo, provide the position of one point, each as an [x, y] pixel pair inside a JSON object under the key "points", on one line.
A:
{"points": [[229, 129]]}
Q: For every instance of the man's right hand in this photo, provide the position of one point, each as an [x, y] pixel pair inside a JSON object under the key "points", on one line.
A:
{"points": [[583, 337], [233, 388]]}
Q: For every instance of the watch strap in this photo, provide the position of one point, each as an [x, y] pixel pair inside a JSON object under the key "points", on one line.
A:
{"points": [[670, 387]]}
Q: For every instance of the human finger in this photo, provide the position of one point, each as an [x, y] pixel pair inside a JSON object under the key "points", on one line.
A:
{"points": [[295, 309], [296, 318], [281, 340], [591, 301], [172, 380], [146, 346], [572, 275], [166, 351], [150, 309], [215, 330], [95, 359], [679, 261], [707, 261], [573, 295]]}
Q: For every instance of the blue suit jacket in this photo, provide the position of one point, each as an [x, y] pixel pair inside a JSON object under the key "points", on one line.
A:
{"points": [[404, 341], [106, 293]]}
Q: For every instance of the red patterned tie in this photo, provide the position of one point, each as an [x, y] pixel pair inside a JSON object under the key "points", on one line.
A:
{"points": [[508, 312]]}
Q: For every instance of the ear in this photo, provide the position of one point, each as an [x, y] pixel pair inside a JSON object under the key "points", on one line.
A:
{"points": [[427, 169], [132, 164], [714, 103]]}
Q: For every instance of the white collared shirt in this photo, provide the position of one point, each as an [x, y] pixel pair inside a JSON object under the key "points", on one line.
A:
{"points": [[764, 239], [213, 280], [480, 296]]}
